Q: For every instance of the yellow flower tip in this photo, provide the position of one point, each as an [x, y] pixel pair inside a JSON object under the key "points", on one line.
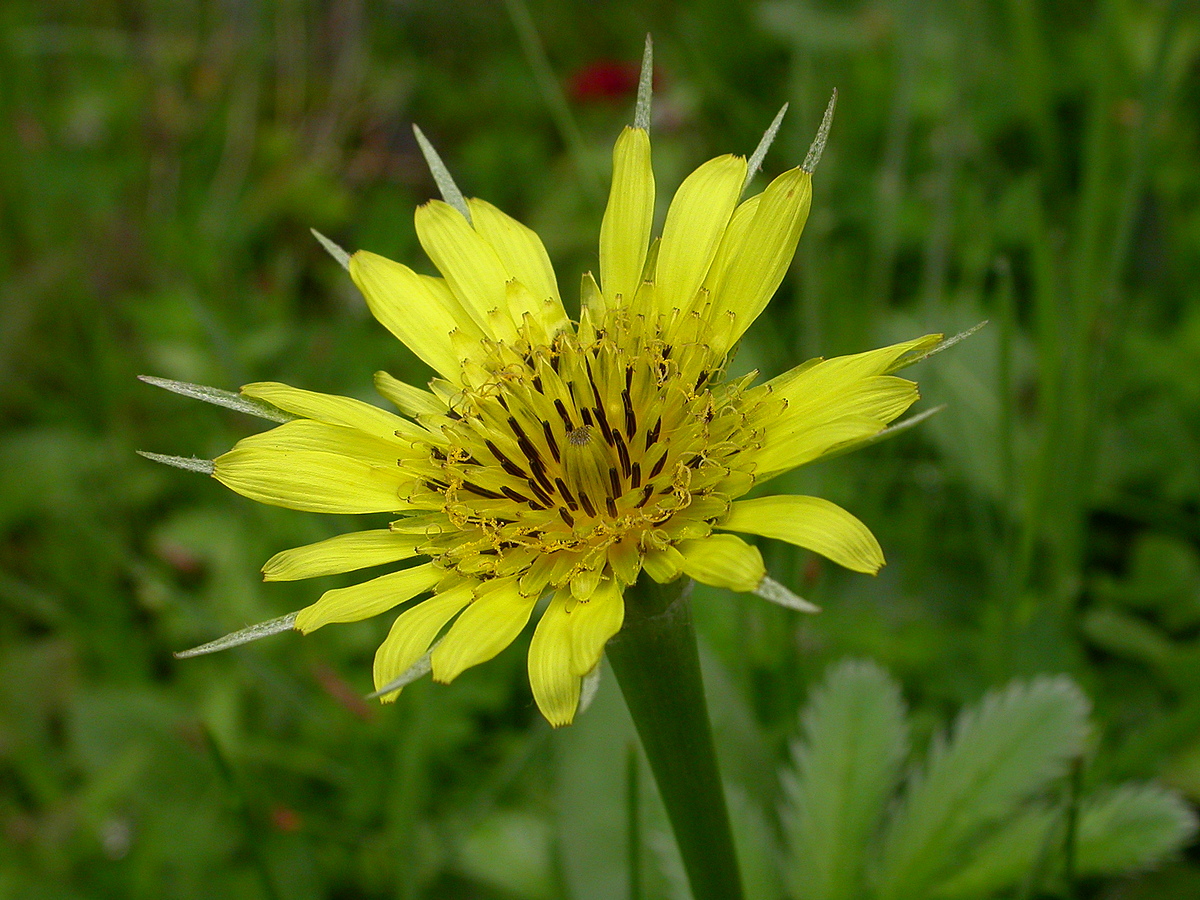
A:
{"points": [[307, 620], [358, 259]]}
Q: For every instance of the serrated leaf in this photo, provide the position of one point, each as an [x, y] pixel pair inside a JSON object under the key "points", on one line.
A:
{"points": [[846, 768], [1131, 827], [1002, 751], [1004, 858]]}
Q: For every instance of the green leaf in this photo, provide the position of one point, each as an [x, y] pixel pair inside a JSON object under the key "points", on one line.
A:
{"points": [[1002, 751], [846, 768], [1005, 857], [1132, 827]]}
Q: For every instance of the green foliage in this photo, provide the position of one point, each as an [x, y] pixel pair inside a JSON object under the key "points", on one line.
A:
{"points": [[973, 821], [1000, 753], [846, 769]]}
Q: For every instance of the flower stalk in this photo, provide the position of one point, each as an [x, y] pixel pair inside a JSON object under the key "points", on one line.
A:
{"points": [[658, 667]]}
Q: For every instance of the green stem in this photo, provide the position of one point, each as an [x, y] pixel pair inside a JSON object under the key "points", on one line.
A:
{"points": [[658, 667]]}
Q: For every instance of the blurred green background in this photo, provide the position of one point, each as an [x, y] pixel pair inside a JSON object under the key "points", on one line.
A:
{"points": [[1031, 163]]}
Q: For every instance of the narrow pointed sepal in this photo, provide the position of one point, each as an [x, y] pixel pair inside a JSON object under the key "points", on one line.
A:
{"points": [[419, 669], [441, 175], [922, 354], [641, 115], [772, 590], [188, 463], [342, 257], [588, 689], [218, 397], [760, 152], [245, 636], [890, 432], [818, 145]]}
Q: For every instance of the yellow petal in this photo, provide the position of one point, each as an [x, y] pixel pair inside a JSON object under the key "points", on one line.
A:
{"points": [[695, 224], [628, 218], [329, 408], [321, 437], [485, 628], [413, 632], [409, 400], [761, 255], [663, 565], [723, 560], [524, 257], [812, 523], [815, 423], [732, 242], [828, 374], [470, 265], [625, 560], [783, 451], [344, 553], [881, 397], [420, 311], [361, 601], [593, 622], [311, 481], [555, 685]]}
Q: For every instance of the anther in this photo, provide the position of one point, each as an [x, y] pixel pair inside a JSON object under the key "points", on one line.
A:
{"points": [[553, 444], [540, 494], [586, 502], [539, 472], [658, 466], [615, 481], [652, 434], [622, 452], [515, 496], [630, 418], [566, 517], [482, 492], [602, 421], [507, 464], [564, 415], [566, 494], [635, 475], [515, 425]]}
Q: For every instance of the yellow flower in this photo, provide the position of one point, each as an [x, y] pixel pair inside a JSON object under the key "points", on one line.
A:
{"points": [[549, 458]]}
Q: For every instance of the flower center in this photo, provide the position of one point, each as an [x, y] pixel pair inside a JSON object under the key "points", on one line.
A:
{"points": [[559, 451]]}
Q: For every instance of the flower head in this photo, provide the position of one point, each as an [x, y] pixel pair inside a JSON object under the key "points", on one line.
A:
{"points": [[562, 459]]}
